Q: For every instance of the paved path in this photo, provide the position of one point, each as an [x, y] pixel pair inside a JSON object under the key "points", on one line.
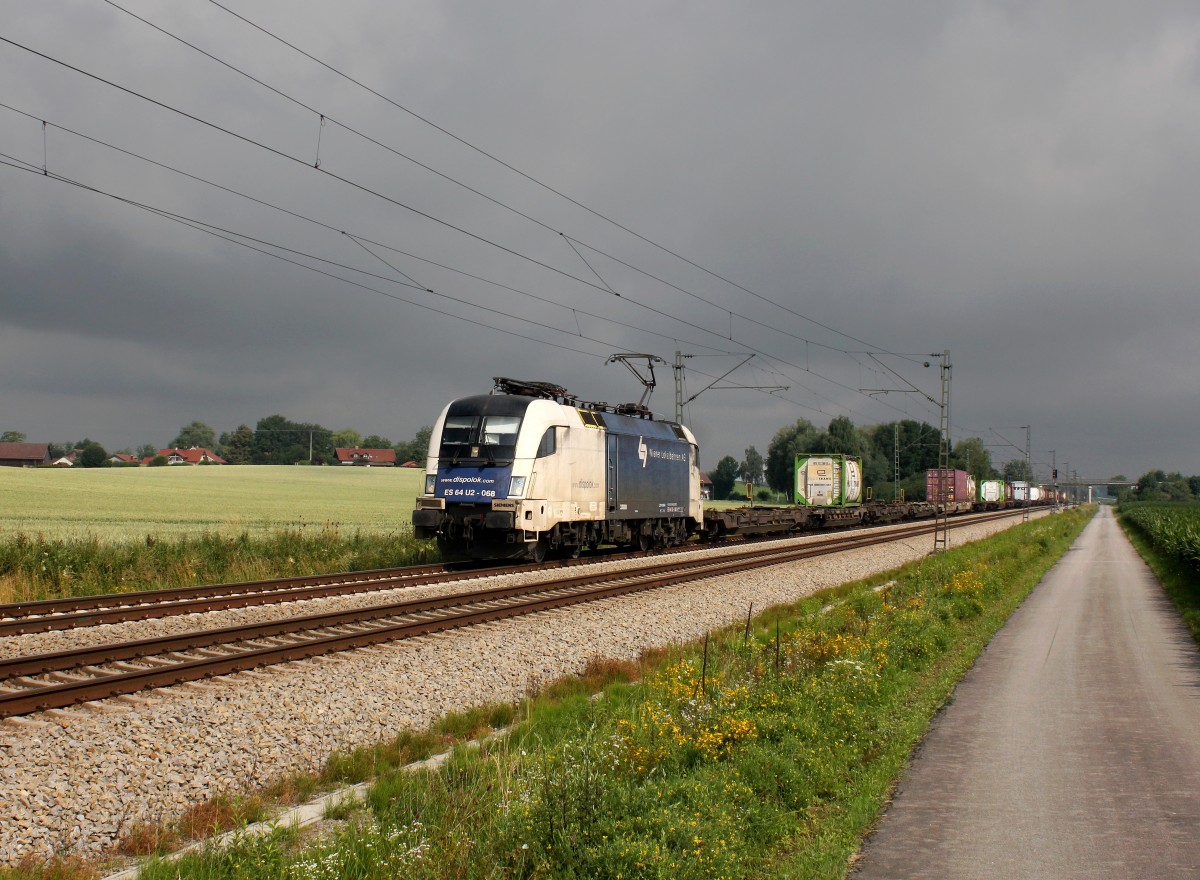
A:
{"points": [[1072, 749]]}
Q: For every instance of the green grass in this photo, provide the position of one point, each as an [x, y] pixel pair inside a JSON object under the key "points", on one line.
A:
{"points": [[79, 532], [123, 504], [762, 753]]}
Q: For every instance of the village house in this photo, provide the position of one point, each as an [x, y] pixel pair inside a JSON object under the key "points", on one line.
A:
{"points": [[194, 455], [24, 454], [366, 457]]}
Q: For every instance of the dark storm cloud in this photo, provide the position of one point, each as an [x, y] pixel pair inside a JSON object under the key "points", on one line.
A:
{"points": [[1011, 181]]}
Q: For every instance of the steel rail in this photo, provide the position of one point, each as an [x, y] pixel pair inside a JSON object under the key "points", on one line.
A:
{"points": [[521, 600], [45, 615]]}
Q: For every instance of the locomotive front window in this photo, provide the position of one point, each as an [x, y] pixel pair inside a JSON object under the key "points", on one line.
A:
{"points": [[458, 434], [475, 438], [500, 430]]}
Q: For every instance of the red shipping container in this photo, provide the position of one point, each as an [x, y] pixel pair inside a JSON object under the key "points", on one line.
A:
{"points": [[947, 486]]}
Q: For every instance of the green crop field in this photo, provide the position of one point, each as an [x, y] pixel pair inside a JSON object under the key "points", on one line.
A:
{"points": [[127, 504]]}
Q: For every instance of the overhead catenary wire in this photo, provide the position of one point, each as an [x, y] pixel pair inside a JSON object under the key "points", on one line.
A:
{"points": [[248, 243], [260, 246], [353, 235], [653, 310], [324, 117], [284, 155], [531, 178]]}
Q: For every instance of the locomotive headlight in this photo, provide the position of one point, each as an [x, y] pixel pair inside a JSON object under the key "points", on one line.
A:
{"points": [[430, 483], [516, 487]]}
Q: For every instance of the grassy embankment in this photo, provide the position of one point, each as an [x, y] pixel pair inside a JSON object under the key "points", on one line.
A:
{"points": [[767, 750], [1167, 535], [77, 532]]}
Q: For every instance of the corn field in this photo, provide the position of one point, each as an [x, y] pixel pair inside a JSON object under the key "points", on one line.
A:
{"points": [[1173, 528]]}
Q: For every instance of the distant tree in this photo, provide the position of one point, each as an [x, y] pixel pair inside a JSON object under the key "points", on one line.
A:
{"points": [[12, 437], [58, 450], [753, 466], [972, 456], [195, 434], [158, 461], [842, 438], [1018, 471], [280, 441], [415, 449], [1115, 491], [347, 438], [787, 443], [147, 450], [374, 441], [723, 476], [92, 455], [237, 447]]}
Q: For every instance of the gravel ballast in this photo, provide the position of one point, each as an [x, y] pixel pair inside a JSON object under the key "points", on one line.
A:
{"points": [[75, 780]]}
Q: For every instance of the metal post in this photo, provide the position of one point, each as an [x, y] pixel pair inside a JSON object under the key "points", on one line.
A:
{"points": [[678, 368], [896, 439], [1054, 475], [1028, 477], [941, 530]]}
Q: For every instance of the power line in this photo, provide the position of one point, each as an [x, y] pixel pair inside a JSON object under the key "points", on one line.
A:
{"points": [[651, 309], [284, 155], [532, 179], [572, 241]]}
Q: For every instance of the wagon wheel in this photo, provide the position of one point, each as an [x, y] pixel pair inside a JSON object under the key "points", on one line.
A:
{"points": [[538, 551]]}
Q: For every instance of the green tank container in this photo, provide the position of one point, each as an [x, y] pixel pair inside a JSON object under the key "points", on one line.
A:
{"points": [[829, 481]]}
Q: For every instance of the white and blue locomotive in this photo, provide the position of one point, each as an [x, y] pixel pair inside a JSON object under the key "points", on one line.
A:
{"points": [[530, 471]]}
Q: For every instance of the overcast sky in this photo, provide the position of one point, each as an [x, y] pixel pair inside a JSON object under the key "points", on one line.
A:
{"points": [[802, 182]]}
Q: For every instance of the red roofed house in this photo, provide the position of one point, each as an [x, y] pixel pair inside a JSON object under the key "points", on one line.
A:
{"points": [[195, 455], [24, 454], [367, 457], [124, 458]]}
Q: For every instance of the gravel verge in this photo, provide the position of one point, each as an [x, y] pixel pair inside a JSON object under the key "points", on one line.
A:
{"points": [[75, 780]]}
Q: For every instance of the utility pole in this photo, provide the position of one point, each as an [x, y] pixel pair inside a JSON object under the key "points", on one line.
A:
{"points": [[896, 445], [678, 368], [941, 529], [1028, 476], [1054, 475], [941, 526], [680, 403]]}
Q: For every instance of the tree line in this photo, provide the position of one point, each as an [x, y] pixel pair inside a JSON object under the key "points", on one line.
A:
{"points": [[1158, 485], [273, 440], [907, 446]]}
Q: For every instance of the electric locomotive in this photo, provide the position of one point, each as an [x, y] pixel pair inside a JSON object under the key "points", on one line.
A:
{"points": [[529, 471]]}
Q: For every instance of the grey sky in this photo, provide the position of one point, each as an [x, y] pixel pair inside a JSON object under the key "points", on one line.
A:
{"points": [[1012, 181]]}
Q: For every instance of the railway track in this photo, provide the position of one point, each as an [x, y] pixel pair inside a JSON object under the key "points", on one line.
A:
{"points": [[56, 680], [80, 611]]}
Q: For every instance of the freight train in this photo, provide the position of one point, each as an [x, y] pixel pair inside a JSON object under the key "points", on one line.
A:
{"points": [[530, 471]]}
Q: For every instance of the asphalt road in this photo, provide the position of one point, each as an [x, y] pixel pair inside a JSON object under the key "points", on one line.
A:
{"points": [[1072, 748]]}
